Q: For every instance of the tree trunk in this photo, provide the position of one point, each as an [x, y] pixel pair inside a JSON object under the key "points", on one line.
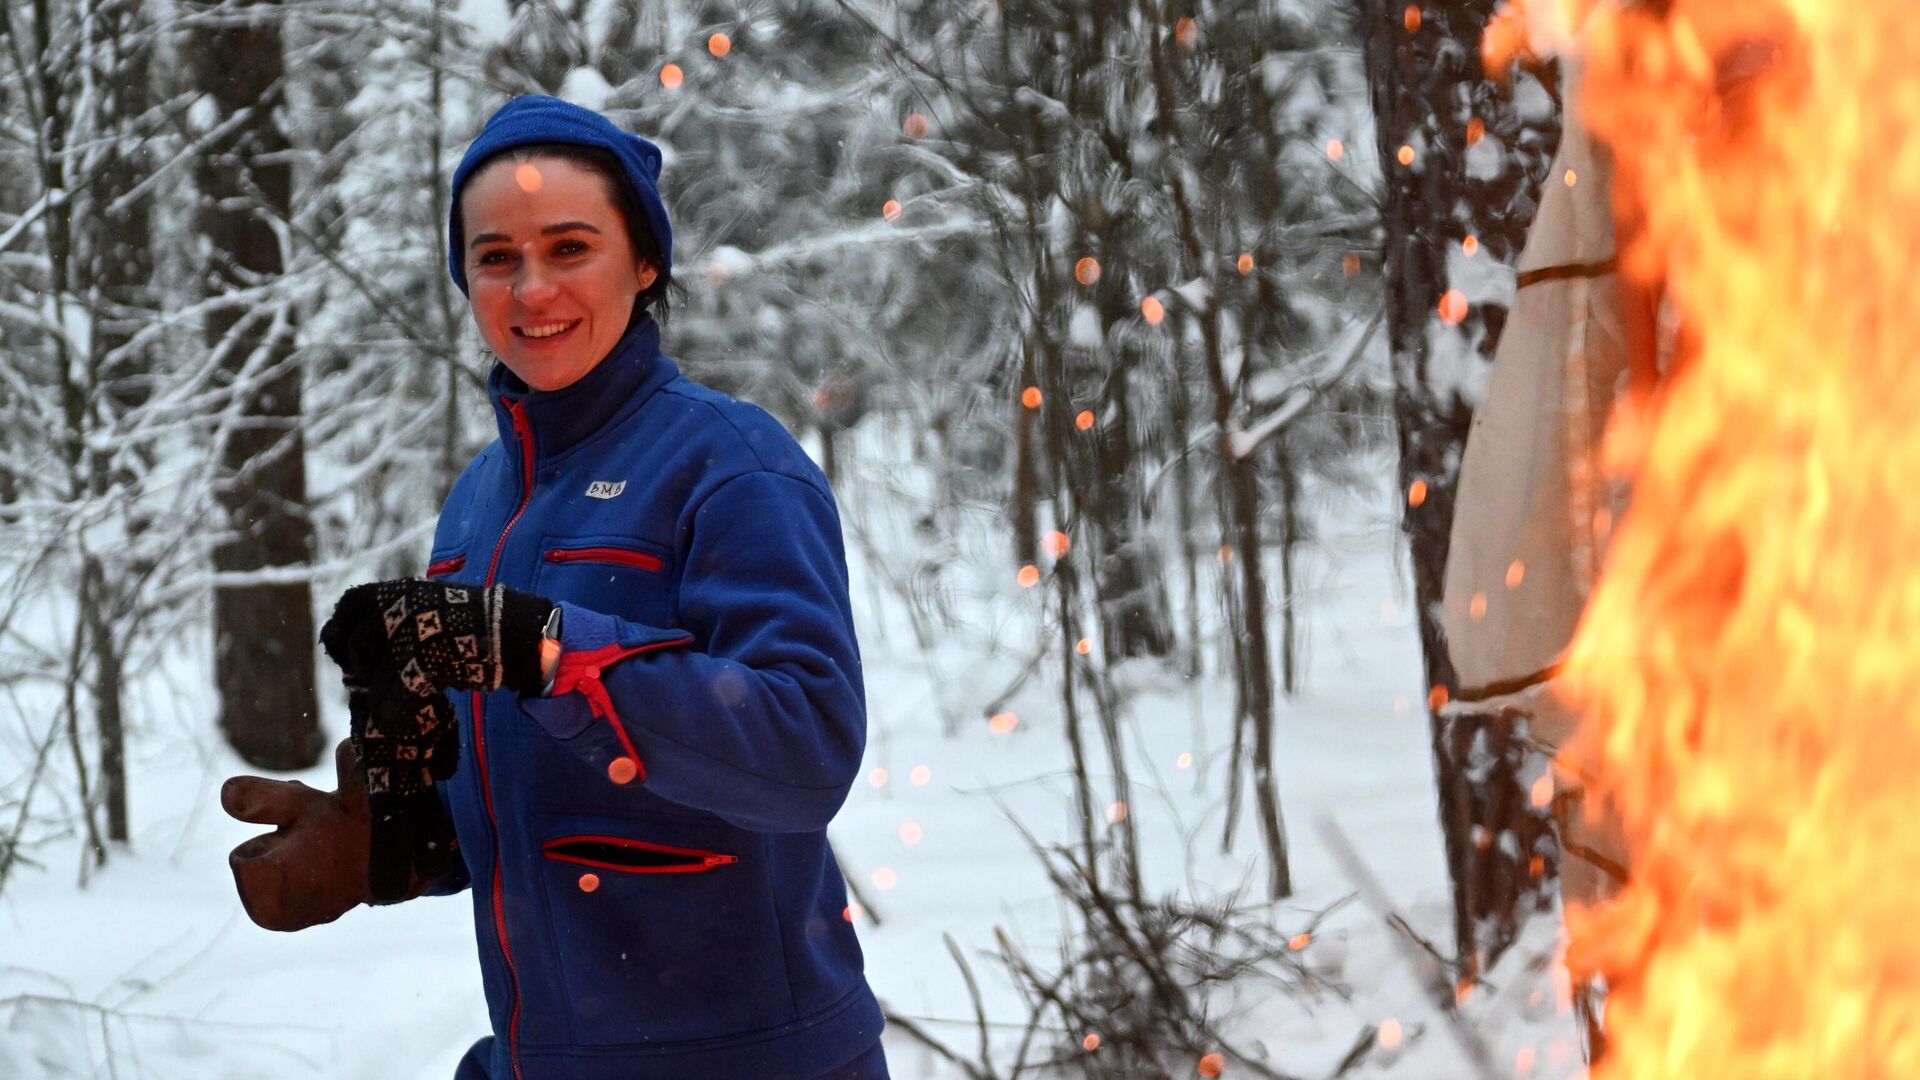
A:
{"points": [[119, 266], [1286, 469], [1133, 616], [1431, 97], [1026, 478], [263, 630]]}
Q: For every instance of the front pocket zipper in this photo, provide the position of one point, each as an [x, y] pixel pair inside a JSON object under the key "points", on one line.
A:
{"points": [[632, 856], [446, 566], [614, 555]]}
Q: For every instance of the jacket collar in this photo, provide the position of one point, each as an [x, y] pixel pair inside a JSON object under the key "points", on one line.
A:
{"points": [[560, 420]]}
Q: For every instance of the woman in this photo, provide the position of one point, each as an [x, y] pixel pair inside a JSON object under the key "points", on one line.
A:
{"points": [[627, 693]]}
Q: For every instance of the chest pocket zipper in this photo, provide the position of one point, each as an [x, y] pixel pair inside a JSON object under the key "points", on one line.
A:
{"points": [[446, 566], [614, 555]]}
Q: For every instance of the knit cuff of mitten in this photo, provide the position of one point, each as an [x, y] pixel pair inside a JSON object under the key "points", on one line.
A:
{"points": [[523, 620], [407, 831]]}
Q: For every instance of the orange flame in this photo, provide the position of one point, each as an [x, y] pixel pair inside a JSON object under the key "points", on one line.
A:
{"points": [[1748, 661]]}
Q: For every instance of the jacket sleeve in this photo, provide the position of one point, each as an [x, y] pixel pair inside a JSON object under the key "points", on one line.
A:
{"points": [[754, 711]]}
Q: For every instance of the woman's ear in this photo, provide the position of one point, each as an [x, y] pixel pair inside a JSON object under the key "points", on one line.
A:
{"points": [[645, 272]]}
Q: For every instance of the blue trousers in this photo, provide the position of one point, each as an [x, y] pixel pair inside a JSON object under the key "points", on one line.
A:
{"points": [[871, 1065]]}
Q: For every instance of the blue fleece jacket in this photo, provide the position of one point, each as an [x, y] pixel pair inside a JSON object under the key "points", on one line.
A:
{"points": [[653, 890]]}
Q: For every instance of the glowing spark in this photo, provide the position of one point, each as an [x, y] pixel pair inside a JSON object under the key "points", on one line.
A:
{"points": [[1084, 421], [719, 44], [1031, 397], [1541, 794], [1516, 573], [1083, 646], [527, 175], [1406, 155], [1184, 32], [1477, 607], [622, 770], [589, 882], [920, 775], [1245, 263], [1412, 18], [1087, 270], [1091, 1042], [915, 125], [1437, 698], [1453, 307], [1390, 1033], [878, 777], [1470, 246], [1299, 941], [1116, 813], [1336, 149], [852, 912], [1057, 544], [1003, 723], [671, 76], [1152, 310], [891, 210], [1184, 761], [1029, 576], [884, 878], [1476, 130], [1417, 493], [1571, 178], [1211, 1065]]}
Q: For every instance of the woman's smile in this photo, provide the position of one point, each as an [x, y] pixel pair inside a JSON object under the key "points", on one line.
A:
{"points": [[547, 331]]}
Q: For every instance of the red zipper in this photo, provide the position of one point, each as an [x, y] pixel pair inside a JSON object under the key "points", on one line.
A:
{"points": [[692, 860], [522, 434], [446, 566], [616, 556]]}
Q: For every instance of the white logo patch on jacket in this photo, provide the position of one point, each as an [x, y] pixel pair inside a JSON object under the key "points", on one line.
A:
{"points": [[605, 489]]}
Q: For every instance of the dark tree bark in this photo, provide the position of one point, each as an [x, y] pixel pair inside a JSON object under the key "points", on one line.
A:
{"points": [[1026, 478], [119, 266], [263, 631], [1431, 94]]}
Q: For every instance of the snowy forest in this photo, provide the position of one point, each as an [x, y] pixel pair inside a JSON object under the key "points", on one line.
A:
{"points": [[1139, 341]]}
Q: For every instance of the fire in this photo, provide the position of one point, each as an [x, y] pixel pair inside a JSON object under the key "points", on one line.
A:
{"points": [[1750, 660]]}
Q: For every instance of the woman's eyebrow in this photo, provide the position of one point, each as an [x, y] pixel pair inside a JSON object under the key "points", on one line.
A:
{"points": [[557, 227]]}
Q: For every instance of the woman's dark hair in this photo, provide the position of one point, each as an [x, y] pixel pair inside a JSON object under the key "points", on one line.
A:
{"points": [[603, 164]]}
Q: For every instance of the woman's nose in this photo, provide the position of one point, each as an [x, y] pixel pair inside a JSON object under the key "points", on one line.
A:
{"points": [[535, 285]]}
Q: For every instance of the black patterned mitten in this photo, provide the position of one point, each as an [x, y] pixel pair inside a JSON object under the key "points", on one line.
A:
{"points": [[435, 636], [404, 743]]}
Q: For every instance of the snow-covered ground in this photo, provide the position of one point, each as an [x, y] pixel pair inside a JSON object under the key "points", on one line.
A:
{"points": [[154, 971]]}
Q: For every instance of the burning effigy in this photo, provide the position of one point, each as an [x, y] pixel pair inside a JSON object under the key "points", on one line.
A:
{"points": [[1747, 661]]}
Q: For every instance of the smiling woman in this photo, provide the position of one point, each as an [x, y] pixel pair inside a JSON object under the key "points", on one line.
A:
{"points": [[626, 701]]}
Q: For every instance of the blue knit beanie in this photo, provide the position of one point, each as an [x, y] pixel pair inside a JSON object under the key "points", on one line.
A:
{"points": [[527, 120]]}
